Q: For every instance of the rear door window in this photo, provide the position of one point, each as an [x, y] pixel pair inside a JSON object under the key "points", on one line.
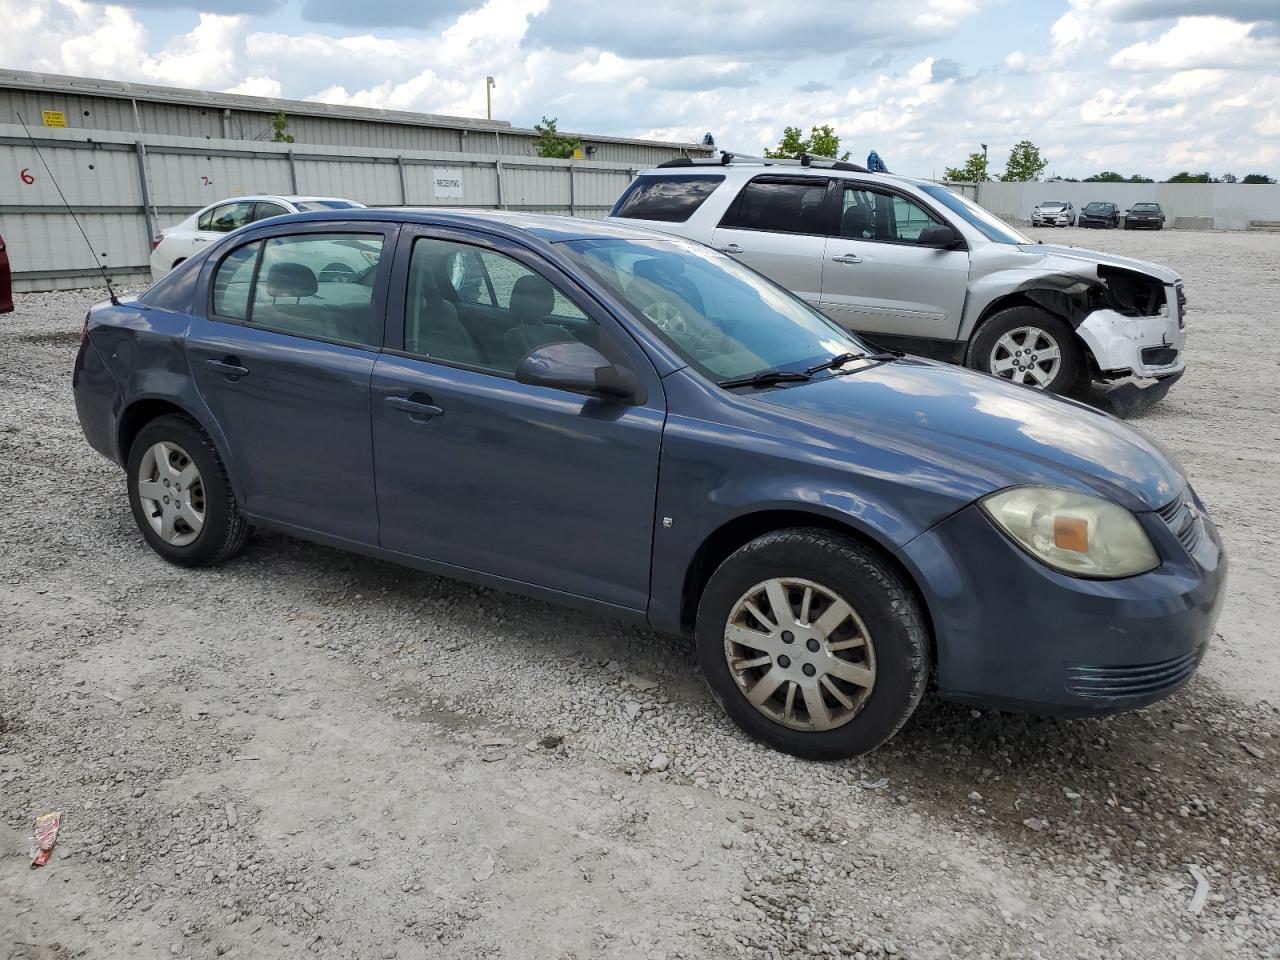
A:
{"points": [[264, 209], [227, 217], [234, 280], [319, 285], [667, 199], [780, 206]]}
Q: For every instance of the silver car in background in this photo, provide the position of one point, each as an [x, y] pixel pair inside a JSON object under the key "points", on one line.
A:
{"points": [[1053, 213], [918, 267]]}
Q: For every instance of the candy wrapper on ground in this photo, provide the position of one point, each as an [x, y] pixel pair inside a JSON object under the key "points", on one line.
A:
{"points": [[46, 835]]}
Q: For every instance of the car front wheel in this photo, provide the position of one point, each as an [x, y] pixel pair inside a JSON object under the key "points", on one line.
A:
{"points": [[1028, 346], [813, 644], [180, 495]]}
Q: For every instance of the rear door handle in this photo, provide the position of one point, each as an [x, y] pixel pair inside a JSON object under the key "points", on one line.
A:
{"points": [[730, 248], [847, 258], [229, 366], [417, 409]]}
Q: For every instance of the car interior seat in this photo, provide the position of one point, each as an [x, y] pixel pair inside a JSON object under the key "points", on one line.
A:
{"points": [[434, 329], [856, 223], [532, 300], [668, 275]]}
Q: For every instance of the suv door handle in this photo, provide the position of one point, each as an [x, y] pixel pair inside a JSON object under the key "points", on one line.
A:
{"points": [[847, 258], [230, 367], [730, 248], [417, 409]]}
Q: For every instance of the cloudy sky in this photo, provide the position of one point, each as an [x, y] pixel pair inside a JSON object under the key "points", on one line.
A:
{"points": [[1148, 86]]}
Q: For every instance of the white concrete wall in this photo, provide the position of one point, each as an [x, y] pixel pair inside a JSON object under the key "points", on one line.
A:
{"points": [[1230, 205]]}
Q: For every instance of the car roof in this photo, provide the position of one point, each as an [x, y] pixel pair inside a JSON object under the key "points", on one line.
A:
{"points": [[739, 171], [552, 229]]}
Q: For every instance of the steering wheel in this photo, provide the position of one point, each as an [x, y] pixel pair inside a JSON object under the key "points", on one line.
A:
{"points": [[337, 272], [666, 318]]}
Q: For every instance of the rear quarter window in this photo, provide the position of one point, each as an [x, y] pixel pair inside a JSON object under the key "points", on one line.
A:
{"points": [[667, 199]]}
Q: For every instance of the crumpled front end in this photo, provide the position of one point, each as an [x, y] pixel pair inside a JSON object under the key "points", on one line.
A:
{"points": [[1138, 328]]}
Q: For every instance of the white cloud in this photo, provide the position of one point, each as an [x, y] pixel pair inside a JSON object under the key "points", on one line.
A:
{"points": [[1201, 42]]}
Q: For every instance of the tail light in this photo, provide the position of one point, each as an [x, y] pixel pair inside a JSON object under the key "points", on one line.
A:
{"points": [[84, 330], [156, 242]]}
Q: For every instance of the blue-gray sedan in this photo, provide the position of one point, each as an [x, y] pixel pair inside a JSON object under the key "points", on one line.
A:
{"points": [[635, 423]]}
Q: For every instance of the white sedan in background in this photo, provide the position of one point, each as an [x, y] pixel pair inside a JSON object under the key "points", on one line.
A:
{"points": [[185, 239]]}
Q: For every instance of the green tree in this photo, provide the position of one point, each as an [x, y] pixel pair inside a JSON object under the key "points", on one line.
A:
{"points": [[1138, 178], [1230, 178], [1025, 163], [278, 124], [1106, 176], [1185, 177], [973, 171], [821, 142], [1258, 178], [551, 143]]}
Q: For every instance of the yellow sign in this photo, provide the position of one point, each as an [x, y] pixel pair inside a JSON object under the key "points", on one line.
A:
{"points": [[577, 153], [55, 118]]}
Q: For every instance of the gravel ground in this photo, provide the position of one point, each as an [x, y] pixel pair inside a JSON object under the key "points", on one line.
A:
{"points": [[304, 753]]}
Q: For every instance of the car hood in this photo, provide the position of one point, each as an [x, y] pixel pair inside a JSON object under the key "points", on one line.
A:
{"points": [[1081, 255], [983, 434]]}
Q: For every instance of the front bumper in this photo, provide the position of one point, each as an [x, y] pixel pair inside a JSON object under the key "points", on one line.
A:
{"points": [[1143, 347], [1011, 633], [1050, 220], [1143, 223]]}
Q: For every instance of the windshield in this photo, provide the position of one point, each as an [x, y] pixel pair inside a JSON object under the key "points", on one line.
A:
{"points": [[1098, 206], [310, 206], [722, 318], [991, 226], [1146, 206], [1053, 203]]}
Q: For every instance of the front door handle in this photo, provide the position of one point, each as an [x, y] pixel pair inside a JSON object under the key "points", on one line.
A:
{"points": [[847, 258], [230, 367], [417, 409], [730, 248]]}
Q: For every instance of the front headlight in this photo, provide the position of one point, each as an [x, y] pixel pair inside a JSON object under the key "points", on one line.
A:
{"points": [[1073, 532]]}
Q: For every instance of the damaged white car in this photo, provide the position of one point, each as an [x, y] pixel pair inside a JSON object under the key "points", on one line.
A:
{"points": [[917, 267]]}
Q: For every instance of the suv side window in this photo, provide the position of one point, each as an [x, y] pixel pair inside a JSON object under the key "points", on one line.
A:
{"points": [[319, 285], [669, 199], [867, 214], [780, 206], [481, 309]]}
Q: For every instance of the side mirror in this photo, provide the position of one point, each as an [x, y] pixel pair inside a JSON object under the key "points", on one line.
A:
{"points": [[939, 235], [574, 366]]}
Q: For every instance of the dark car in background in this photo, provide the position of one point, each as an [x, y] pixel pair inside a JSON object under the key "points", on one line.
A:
{"points": [[6, 281], [1144, 216], [1099, 213], [637, 424]]}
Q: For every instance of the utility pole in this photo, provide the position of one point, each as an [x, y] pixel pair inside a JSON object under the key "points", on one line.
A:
{"points": [[488, 97], [984, 159]]}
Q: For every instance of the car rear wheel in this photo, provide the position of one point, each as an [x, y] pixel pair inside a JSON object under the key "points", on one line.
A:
{"points": [[180, 495], [1028, 346], [813, 644]]}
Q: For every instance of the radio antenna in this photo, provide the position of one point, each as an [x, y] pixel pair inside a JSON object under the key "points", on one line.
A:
{"points": [[54, 180]]}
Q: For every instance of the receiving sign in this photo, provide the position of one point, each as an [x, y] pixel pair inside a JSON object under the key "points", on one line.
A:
{"points": [[446, 183]]}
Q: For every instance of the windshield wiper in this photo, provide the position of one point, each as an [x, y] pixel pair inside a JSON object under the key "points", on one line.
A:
{"points": [[767, 378], [839, 360]]}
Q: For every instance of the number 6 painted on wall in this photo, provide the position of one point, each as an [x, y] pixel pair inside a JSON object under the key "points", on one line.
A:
{"points": [[26, 176]]}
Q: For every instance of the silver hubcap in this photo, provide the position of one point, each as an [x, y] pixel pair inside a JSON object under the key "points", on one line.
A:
{"points": [[800, 654], [1026, 355], [172, 493]]}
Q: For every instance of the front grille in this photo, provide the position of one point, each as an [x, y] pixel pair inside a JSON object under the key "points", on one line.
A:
{"points": [[1182, 517], [1140, 680]]}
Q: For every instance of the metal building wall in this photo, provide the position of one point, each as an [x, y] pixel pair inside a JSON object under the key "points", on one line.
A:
{"points": [[104, 105], [103, 179]]}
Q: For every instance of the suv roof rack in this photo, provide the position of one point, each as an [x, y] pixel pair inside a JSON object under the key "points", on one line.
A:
{"points": [[727, 158]]}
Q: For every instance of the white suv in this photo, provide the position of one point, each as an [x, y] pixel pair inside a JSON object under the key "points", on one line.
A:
{"points": [[918, 267], [180, 241]]}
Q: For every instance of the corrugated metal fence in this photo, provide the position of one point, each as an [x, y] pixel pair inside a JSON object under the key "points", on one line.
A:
{"points": [[124, 188]]}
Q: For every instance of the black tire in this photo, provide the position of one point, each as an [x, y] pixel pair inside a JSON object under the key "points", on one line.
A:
{"points": [[982, 343], [224, 531], [886, 605]]}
